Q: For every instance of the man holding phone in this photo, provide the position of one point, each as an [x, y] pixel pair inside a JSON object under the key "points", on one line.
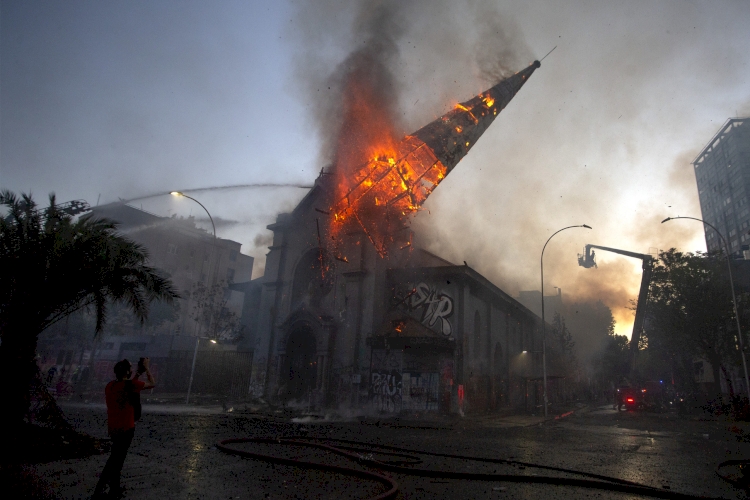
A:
{"points": [[123, 409]]}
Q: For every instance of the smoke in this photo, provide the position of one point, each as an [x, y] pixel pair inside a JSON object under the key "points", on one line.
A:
{"points": [[399, 64], [499, 49], [499, 206]]}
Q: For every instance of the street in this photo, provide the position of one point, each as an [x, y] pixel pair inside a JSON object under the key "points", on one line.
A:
{"points": [[174, 454]]}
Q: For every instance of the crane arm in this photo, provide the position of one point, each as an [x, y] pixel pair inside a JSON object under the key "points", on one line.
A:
{"points": [[587, 260], [635, 255]]}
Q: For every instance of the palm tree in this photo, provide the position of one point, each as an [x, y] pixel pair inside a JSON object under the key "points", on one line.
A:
{"points": [[51, 265]]}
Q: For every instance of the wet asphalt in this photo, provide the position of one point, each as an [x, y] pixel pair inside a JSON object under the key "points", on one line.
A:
{"points": [[174, 454]]}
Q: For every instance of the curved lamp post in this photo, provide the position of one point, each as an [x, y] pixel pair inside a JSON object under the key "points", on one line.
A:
{"points": [[183, 195], [544, 325], [734, 298], [180, 194]]}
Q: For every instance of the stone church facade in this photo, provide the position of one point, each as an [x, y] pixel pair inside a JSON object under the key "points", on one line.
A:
{"points": [[350, 314], [408, 332]]}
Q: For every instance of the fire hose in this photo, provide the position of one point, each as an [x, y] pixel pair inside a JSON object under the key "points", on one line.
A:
{"points": [[362, 453], [741, 481]]}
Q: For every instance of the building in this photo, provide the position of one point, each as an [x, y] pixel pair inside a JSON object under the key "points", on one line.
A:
{"points": [[409, 332], [194, 260], [722, 171], [221, 369], [349, 313]]}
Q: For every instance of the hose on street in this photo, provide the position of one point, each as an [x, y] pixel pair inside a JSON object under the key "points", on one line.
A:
{"points": [[741, 480], [402, 461]]}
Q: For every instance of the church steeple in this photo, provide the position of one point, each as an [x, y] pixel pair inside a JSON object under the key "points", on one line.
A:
{"points": [[383, 192]]}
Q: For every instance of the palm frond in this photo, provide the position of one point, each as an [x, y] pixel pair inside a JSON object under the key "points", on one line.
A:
{"points": [[54, 264]]}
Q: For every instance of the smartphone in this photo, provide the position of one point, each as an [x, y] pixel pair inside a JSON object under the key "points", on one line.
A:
{"points": [[141, 367]]}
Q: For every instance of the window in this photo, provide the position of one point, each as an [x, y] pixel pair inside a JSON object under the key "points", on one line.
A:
{"points": [[233, 255], [230, 275]]}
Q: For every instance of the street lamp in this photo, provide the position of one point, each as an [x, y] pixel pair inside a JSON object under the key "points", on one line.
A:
{"points": [[192, 370], [544, 329], [180, 194], [734, 299]]}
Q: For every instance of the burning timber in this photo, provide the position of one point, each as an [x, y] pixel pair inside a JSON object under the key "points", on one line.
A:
{"points": [[390, 187], [349, 313]]}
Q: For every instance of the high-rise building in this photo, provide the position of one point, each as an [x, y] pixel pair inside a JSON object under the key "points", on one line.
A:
{"points": [[722, 171]]}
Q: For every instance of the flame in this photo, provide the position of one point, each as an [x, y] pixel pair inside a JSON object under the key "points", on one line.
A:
{"points": [[396, 184], [464, 108], [380, 180]]}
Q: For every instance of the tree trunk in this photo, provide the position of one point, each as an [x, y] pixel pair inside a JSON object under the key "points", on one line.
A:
{"points": [[18, 369]]}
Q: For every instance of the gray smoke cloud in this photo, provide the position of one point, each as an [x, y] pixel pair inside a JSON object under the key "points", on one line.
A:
{"points": [[416, 58], [597, 136]]}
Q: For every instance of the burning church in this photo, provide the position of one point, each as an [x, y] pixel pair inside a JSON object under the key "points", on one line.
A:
{"points": [[350, 313]]}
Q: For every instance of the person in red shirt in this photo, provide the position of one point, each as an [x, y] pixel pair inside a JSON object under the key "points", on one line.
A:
{"points": [[121, 395]]}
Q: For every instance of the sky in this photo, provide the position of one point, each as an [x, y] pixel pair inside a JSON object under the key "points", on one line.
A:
{"points": [[122, 100]]}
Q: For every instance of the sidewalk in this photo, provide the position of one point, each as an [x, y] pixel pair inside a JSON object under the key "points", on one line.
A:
{"points": [[153, 409]]}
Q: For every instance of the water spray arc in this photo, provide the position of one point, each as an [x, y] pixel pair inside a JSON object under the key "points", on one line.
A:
{"points": [[221, 188]]}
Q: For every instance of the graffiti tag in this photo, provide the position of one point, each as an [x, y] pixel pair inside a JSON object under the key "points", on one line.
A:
{"points": [[386, 390], [436, 307]]}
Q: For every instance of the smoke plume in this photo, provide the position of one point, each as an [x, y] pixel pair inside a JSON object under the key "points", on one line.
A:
{"points": [[497, 209]]}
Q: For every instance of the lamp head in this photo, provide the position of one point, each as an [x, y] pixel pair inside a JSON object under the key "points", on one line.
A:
{"points": [[665, 220], [586, 226], [176, 193], [212, 341]]}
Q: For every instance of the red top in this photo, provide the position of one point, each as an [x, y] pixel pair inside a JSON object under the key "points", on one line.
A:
{"points": [[119, 410]]}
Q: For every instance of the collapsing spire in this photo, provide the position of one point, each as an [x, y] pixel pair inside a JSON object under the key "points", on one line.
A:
{"points": [[388, 188]]}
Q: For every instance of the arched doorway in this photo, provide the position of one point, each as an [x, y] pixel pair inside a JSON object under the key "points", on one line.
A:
{"points": [[301, 368]]}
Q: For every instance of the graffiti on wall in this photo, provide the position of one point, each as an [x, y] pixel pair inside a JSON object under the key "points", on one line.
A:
{"points": [[386, 390], [385, 379], [434, 307]]}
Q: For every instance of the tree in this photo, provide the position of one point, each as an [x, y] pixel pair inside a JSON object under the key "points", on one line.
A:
{"points": [[611, 363], [563, 337], [211, 311], [690, 314], [51, 265]]}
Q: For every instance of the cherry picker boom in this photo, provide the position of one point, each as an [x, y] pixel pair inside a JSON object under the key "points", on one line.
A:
{"points": [[588, 260]]}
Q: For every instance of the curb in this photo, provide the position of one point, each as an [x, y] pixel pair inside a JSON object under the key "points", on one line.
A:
{"points": [[559, 417]]}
